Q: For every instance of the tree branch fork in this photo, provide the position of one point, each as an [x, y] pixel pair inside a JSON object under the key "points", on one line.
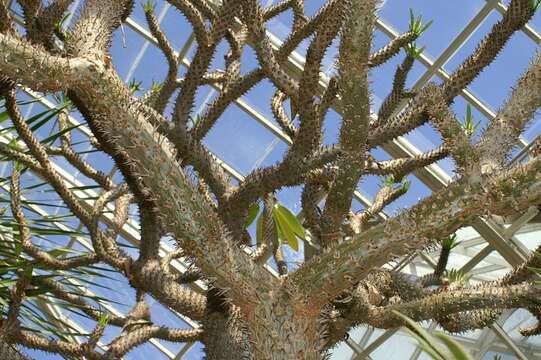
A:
{"points": [[153, 161]]}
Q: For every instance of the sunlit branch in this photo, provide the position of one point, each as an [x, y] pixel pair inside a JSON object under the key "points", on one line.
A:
{"points": [[39, 152], [217, 107], [400, 167], [385, 195], [169, 84], [353, 89], [503, 132], [439, 215], [455, 301], [397, 94], [92, 34], [277, 106], [391, 49], [195, 18], [518, 14]]}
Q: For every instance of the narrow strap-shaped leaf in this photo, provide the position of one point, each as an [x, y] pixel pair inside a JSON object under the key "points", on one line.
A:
{"points": [[454, 348], [429, 350], [422, 335]]}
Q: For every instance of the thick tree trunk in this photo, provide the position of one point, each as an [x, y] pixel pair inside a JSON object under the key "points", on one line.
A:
{"points": [[224, 337], [285, 329], [274, 330]]}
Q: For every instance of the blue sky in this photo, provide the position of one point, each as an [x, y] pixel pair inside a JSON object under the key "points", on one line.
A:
{"points": [[245, 144]]}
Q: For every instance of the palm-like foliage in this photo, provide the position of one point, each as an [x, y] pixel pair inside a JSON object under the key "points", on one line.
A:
{"points": [[429, 344], [16, 265], [184, 194]]}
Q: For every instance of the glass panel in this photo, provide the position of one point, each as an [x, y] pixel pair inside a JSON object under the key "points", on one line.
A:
{"points": [[449, 19]]}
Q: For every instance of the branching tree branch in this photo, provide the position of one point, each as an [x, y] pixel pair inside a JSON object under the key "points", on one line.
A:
{"points": [[184, 194]]}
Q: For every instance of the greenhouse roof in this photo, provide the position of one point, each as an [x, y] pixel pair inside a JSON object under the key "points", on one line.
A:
{"points": [[247, 137]]}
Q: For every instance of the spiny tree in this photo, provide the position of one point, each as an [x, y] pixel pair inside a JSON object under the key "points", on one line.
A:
{"points": [[183, 193]]}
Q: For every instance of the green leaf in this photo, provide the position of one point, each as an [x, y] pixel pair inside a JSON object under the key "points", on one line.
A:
{"points": [[428, 344], [58, 25], [457, 276], [7, 283], [36, 292], [27, 273], [291, 220], [64, 101], [413, 51], [156, 86], [454, 348], [104, 319], [51, 138], [470, 127], [17, 166], [149, 6], [4, 116], [535, 270], [50, 114], [426, 341], [283, 229], [252, 214], [135, 85], [60, 251], [424, 28], [406, 185], [416, 24], [13, 144], [388, 180], [450, 242], [430, 351]]}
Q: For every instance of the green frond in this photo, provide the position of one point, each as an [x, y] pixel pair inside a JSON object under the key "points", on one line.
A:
{"points": [[535, 4], [63, 101], [104, 320], [416, 25], [388, 181], [426, 342], [413, 51], [149, 6], [449, 242], [457, 276], [60, 24], [469, 126], [135, 85], [406, 184], [430, 345], [195, 120], [155, 86]]}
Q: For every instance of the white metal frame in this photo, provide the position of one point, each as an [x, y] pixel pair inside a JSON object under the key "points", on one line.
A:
{"points": [[498, 238]]}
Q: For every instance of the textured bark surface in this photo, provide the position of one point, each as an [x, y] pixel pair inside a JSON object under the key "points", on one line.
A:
{"points": [[184, 194], [9, 352]]}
